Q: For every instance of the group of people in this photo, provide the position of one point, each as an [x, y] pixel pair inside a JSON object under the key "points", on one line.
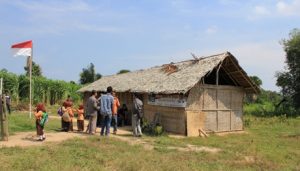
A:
{"points": [[67, 113], [107, 105]]}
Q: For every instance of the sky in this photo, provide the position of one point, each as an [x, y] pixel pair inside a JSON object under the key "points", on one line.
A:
{"points": [[136, 34]]}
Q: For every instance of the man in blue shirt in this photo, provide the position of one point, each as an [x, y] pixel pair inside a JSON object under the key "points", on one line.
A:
{"points": [[106, 104]]}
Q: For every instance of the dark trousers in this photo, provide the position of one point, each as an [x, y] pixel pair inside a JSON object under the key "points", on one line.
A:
{"points": [[71, 125], [106, 125], [8, 108], [39, 128], [115, 122], [80, 125], [65, 126]]}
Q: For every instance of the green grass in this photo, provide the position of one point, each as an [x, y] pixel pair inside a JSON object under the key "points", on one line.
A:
{"points": [[269, 144], [20, 122]]}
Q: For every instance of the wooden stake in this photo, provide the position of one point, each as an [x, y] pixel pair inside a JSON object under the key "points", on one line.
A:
{"points": [[3, 116], [30, 84], [202, 133]]}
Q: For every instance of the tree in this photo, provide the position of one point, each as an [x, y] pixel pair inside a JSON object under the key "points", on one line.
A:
{"points": [[98, 76], [88, 75], [36, 69], [289, 80], [251, 98], [123, 71], [4, 70], [256, 80]]}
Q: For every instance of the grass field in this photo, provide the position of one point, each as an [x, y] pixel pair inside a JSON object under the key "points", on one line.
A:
{"points": [[269, 144], [20, 122]]}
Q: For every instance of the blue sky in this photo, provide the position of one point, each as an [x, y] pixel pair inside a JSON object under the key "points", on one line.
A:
{"points": [[135, 34]]}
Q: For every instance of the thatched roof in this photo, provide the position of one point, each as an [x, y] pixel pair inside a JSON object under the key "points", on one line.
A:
{"points": [[173, 78]]}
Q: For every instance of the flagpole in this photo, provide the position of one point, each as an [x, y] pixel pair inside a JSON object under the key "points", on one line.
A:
{"points": [[30, 83]]}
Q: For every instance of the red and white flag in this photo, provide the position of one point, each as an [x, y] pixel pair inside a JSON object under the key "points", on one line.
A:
{"points": [[22, 49]]}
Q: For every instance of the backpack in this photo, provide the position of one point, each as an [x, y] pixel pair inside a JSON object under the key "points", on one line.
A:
{"points": [[66, 117], [138, 110], [60, 111], [44, 119], [140, 113]]}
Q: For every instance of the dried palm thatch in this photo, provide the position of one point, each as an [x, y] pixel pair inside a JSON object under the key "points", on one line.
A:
{"points": [[171, 78], [169, 68]]}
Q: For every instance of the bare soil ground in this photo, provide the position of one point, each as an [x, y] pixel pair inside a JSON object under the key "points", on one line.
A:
{"points": [[25, 139]]}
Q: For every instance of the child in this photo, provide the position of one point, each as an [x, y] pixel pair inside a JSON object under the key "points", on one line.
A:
{"points": [[67, 117], [40, 116], [80, 118], [70, 111]]}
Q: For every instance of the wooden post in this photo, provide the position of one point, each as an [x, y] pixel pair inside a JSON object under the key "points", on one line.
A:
{"points": [[3, 116], [30, 84]]}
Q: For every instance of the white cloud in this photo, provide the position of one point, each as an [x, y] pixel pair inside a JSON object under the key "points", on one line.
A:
{"points": [[260, 10], [57, 17], [289, 9], [211, 30]]}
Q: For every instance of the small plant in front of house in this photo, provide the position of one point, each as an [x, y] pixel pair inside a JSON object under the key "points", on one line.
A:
{"points": [[152, 129]]}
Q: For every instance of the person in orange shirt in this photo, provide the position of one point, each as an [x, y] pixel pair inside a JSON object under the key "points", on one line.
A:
{"points": [[71, 113], [40, 109], [80, 118], [116, 105]]}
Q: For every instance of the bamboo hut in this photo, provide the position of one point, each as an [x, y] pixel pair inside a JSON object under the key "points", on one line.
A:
{"points": [[200, 94]]}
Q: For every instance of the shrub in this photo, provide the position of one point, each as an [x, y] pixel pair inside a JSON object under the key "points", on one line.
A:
{"points": [[152, 129]]}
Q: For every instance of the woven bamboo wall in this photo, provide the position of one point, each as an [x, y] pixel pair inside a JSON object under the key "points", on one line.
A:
{"points": [[173, 119], [222, 107]]}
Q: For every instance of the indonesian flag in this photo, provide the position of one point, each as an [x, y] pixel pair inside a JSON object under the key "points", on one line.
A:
{"points": [[22, 49]]}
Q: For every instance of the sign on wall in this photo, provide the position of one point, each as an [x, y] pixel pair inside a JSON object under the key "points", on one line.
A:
{"points": [[175, 101]]}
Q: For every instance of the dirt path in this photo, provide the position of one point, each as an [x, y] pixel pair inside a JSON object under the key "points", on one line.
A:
{"points": [[25, 139]]}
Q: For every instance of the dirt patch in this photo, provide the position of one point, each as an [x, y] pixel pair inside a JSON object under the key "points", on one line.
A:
{"points": [[230, 133], [25, 139], [193, 148]]}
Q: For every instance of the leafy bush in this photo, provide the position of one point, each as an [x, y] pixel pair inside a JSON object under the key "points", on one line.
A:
{"points": [[269, 103], [152, 129]]}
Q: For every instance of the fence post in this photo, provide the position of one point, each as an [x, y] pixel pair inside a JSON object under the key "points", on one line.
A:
{"points": [[3, 116]]}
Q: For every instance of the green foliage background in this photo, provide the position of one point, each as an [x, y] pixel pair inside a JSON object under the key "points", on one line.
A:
{"points": [[44, 90]]}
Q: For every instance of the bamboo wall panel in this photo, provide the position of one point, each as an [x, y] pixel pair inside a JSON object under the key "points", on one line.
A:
{"points": [[210, 124], [237, 120], [210, 99], [195, 99], [224, 99], [173, 119], [195, 121], [237, 100], [223, 121], [223, 108]]}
